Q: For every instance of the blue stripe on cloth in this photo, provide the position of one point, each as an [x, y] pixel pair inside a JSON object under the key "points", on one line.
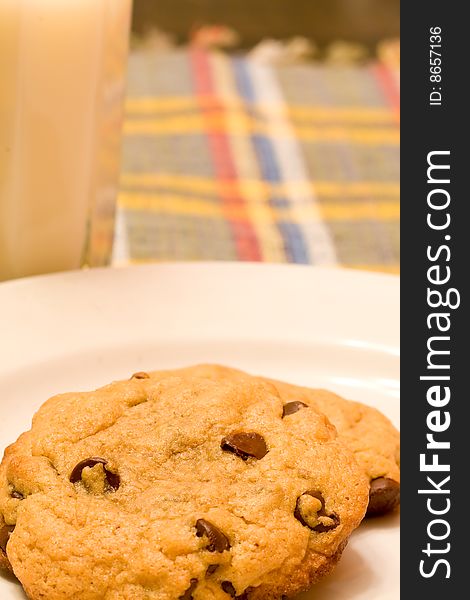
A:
{"points": [[294, 244]]}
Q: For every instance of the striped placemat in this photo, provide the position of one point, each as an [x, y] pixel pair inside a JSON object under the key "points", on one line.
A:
{"points": [[228, 158]]}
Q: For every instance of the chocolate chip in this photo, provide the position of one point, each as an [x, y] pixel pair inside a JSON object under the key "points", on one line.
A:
{"points": [[384, 496], [327, 523], [140, 375], [292, 407], [245, 594], [5, 533], [245, 445], [17, 495], [188, 595], [211, 569], [218, 542], [228, 588], [112, 479]]}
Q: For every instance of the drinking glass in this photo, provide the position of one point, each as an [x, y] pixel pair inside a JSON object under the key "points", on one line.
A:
{"points": [[62, 83]]}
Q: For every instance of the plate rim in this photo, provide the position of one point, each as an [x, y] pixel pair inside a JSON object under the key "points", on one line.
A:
{"points": [[371, 275], [40, 315]]}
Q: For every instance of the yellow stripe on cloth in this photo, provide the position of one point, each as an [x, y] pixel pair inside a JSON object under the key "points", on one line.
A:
{"points": [[138, 107], [203, 185], [187, 124], [178, 205]]}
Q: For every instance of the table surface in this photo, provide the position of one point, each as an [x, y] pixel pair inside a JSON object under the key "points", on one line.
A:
{"points": [[230, 158]]}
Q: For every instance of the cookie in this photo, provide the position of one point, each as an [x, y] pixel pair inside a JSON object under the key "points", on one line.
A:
{"points": [[177, 487], [5, 531], [370, 435], [367, 432]]}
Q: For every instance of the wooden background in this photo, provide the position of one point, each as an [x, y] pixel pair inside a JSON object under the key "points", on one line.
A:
{"points": [[364, 21]]}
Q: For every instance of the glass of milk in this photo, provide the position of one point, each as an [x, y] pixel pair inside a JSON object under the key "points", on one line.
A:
{"points": [[62, 82]]}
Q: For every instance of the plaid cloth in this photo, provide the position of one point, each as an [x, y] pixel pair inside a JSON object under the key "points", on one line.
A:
{"points": [[226, 158]]}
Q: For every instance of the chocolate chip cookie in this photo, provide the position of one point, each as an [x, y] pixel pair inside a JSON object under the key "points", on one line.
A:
{"points": [[370, 435], [177, 487]]}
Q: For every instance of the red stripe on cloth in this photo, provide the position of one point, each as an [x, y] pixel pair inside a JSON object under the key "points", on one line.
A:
{"points": [[389, 87], [246, 241]]}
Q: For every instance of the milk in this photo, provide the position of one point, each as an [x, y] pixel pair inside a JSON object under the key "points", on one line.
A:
{"points": [[62, 71]]}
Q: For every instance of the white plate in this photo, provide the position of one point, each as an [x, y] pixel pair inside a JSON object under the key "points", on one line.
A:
{"points": [[332, 328]]}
